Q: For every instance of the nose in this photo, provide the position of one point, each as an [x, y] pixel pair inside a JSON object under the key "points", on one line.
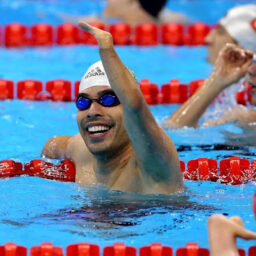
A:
{"points": [[209, 37], [95, 110]]}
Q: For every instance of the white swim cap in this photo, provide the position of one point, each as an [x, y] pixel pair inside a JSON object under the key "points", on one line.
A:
{"points": [[240, 23], [94, 76]]}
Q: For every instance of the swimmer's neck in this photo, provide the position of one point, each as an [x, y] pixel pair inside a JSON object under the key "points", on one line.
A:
{"points": [[108, 167], [138, 17], [132, 14]]}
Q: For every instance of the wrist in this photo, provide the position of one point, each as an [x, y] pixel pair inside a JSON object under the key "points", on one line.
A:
{"points": [[105, 42], [215, 83]]}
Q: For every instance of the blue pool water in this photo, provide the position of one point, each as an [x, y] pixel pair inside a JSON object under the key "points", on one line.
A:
{"points": [[34, 210]]}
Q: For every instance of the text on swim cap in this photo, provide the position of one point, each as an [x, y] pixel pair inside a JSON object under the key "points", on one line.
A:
{"points": [[94, 72], [253, 24]]}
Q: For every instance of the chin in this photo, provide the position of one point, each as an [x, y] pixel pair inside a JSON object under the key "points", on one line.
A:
{"points": [[99, 149]]}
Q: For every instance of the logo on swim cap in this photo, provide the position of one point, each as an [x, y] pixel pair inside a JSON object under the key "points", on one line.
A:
{"points": [[95, 72], [253, 24], [94, 76]]}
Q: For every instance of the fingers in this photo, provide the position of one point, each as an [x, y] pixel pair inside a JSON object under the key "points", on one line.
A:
{"points": [[237, 55], [85, 26], [103, 37]]}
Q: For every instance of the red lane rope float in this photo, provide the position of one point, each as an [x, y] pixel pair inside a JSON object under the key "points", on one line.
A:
{"points": [[83, 249], [145, 34], [174, 92], [150, 92], [118, 249], [29, 89], [156, 249], [6, 89], [121, 33], [65, 171], [252, 251], [192, 249], [46, 249], [41, 35], [172, 34], [15, 35], [11, 249], [61, 90], [233, 171], [196, 34], [10, 168]]}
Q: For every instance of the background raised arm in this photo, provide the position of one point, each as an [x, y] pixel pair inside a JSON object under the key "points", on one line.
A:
{"points": [[232, 64]]}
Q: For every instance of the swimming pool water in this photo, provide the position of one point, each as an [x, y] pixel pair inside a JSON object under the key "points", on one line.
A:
{"points": [[34, 210]]}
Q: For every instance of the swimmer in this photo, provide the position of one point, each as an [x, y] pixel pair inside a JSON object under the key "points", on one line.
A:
{"points": [[134, 12], [231, 65], [237, 27], [120, 144]]}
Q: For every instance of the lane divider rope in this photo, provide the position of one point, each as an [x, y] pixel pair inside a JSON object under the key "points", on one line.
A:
{"points": [[145, 34], [173, 92], [233, 170]]}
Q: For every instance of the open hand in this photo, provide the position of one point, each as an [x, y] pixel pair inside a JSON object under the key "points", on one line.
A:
{"points": [[232, 63], [103, 38]]}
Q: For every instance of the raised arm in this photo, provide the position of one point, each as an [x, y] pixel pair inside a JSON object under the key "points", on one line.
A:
{"points": [[222, 233], [232, 64], [155, 152]]}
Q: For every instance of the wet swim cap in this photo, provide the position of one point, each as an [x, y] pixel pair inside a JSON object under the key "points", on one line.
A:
{"points": [[94, 76], [153, 7], [240, 23]]}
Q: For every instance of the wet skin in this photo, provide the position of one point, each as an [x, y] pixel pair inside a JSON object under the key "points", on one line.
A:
{"points": [[252, 81]]}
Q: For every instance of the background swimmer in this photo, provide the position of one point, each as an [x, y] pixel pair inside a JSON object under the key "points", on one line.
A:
{"points": [[134, 12], [237, 27], [120, 144], [231, 65]]}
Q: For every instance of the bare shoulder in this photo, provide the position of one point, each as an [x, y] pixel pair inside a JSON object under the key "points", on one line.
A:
{"points": [[56, 147]]}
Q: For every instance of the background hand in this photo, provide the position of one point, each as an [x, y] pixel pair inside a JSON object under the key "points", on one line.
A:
{"points": [[232, 63], [103, 38]]}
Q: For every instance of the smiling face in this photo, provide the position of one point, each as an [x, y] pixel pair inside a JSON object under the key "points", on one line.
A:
{"points": [[216, 39], [102, 128]]}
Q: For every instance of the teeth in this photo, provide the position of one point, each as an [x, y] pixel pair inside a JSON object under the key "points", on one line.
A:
{"points": [[98, 128]]}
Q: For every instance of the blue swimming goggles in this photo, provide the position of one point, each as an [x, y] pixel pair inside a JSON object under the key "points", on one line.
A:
{"points": [[108, 99]]}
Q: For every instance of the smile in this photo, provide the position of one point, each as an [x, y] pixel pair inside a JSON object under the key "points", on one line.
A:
{"points": [[97, 130]]}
